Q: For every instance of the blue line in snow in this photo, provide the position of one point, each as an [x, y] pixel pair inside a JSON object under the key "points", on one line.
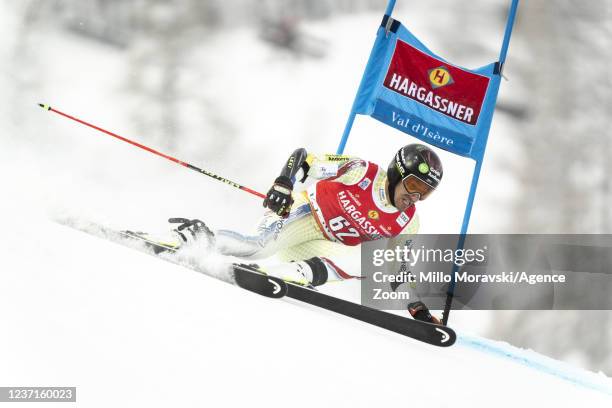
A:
{"points": [[531, 359]]}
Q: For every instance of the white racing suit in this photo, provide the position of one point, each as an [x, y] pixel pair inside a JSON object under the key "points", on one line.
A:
{"points": [[299, 237]]}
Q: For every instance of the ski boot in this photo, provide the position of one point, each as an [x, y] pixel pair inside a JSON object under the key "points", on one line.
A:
{"points": [[309, 273]]}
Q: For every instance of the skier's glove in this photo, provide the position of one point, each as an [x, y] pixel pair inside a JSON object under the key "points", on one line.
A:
{"points": [[190, 231], [419, 311], [279, 197]]}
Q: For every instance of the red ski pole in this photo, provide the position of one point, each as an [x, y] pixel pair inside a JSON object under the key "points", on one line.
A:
{"points": [[150, 150]]}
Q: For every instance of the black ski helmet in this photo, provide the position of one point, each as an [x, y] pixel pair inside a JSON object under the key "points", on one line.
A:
{"points": [[414, 159]]}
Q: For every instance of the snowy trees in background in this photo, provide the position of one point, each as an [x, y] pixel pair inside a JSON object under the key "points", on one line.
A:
{"points": [[560, 58], [559, 96], [117, 21], [564, 166], [565, 151], [161, 40]]}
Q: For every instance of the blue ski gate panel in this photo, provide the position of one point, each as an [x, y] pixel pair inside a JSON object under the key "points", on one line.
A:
{"points": [[410, 88]]}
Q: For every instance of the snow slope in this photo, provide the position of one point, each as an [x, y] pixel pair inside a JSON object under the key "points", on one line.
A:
{"points": [[131, 330], [128, 329]]}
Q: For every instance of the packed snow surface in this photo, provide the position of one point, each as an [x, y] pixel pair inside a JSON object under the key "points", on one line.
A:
{"points": [[128, 328]]}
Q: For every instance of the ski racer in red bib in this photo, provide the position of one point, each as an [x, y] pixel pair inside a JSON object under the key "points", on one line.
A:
{"points": [[351, 201]]}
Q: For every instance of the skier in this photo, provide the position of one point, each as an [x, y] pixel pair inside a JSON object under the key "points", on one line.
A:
{"points": [[352, 201]]}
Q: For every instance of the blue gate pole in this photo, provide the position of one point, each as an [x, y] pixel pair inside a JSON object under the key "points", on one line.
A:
{"points": [[353, 113], [508, 32], [390, 6], [347, 131], [460, 244], [468, 209]]}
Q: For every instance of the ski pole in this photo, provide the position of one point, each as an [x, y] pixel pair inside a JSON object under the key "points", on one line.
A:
{"points": [[150, 150]]}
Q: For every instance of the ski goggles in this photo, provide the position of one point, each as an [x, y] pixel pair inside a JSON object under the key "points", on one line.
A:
{"points": [[415, 185]]}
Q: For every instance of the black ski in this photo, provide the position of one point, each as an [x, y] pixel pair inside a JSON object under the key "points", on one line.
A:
{"points": [[429, 333], [157, 246], [250, 278], [246, 276], [433, 334]]}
